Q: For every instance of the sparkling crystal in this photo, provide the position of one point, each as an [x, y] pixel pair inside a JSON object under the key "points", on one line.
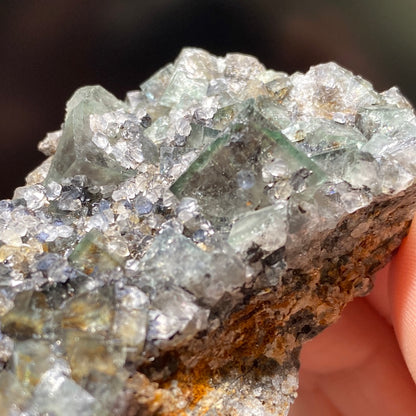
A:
{"points": [[59, 395], [49, 144], [266, 228], [176, 313], [53, 190], [143, 205], [6, 348], [191, 72], [33, 195]]}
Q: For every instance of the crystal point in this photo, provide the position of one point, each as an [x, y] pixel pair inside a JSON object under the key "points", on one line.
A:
{"points": [[77, 153]]}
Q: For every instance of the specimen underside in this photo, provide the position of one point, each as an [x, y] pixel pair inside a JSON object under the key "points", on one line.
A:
{"points": [[176, 249]]}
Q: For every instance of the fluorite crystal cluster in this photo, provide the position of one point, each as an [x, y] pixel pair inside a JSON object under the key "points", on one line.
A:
{"points": [[176, 249]]}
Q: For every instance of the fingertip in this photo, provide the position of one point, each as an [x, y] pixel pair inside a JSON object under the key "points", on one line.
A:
{"points": [[403, 298], [347, 343], [379, 296]]}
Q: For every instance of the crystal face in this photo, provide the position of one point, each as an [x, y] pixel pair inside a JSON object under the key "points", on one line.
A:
{"points": [[176, 249], [227, 178]]}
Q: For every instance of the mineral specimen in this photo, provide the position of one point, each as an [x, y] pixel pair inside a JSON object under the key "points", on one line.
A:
{"points": [[175, 250]]}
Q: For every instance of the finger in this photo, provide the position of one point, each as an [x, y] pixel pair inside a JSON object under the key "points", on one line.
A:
{"points": [[357, 365], [349, 339], [379, 297], [403, 298], [349, 343], [311, 400]]}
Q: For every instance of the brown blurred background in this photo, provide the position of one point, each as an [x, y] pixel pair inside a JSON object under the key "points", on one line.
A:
{"points": [[48, 48]]}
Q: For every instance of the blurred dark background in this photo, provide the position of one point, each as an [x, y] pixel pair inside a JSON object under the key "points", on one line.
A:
{"points": [[48, 48]]}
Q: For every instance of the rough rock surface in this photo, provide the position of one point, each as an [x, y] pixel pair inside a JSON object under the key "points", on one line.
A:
{"points": [[175, 250]]}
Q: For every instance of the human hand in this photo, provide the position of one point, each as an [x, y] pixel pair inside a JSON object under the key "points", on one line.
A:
{"points": [[365, 364]]}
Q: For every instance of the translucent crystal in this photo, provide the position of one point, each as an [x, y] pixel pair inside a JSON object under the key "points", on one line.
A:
{"points": [[206, 275], [394, 97], [13, 396], [242, 66], [53, 190], [91, 311], [130, 321], [49, 144], [193, 68], [174, 160], [33, 195], [31, 359], [328, 91], [330, 137], [6, 347], [227, 178], [30, 317], [59, 395], [187, 209], [94, 252], [200, 136], [55, 268], [143, 205], [176, 313], [155, 85], [108, 390], [265, 228], [76, 153], [385, 120], [89, 353]]}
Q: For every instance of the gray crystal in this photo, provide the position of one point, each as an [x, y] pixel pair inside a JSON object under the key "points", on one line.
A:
{"points": [[6, 348], [13, 396], [59, 395], [31, 359], [130, 320], [208, 274], [266, 227], [177, 314]]}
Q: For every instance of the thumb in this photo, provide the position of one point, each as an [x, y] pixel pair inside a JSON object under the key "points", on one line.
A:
{"points": [[403, 298]]}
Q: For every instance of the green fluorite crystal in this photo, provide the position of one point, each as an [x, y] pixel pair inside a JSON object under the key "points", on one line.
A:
{"points": [[77, 154], [92, 252], [228, 178]]}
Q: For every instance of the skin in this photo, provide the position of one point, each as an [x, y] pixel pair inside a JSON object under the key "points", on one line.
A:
{"points": [[365, 364]]}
